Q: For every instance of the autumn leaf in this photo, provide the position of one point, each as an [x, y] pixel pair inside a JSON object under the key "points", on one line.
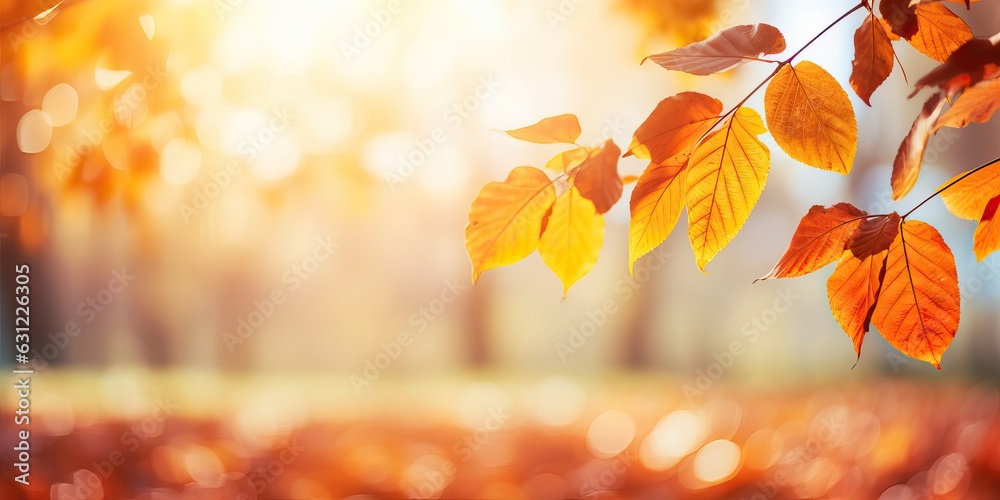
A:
{"points": [[967, 3], [725, 179], [900, 16], [811, 117], [977, 104], [597, 177], [919, 306], [906, 166], [554, 130], [674, 126], [939, 31], [966, 195], [974, 61], [821, 238], [873, 58], [724, 50], [568, 160], [986, 239], [505, 219], [656, 205], [572, 241], [854, 286]]}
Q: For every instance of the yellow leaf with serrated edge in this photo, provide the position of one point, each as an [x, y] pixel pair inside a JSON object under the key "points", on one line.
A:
{"points": [[573, 237], [725, 179], [656, 204], [505, 220]]}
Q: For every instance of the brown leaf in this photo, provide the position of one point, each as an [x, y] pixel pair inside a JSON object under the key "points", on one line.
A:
{"points": [[724, 50], [820, 239], [554, 130], [974, 61], [901, 18], [906, 166], [977, 104], [919, 306], [674, 126], [873, 58], [853, 288], [597, 177]]}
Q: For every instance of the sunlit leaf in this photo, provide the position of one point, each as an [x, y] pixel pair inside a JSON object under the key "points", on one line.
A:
{"points": [[977, 104], [505, 220], [674, 126], [553, 130], [656, 205], [940, 32], [811, 117], [725, 179], [906, 166], [918, 308], [854, 286], [597, 177], [724, 50], [967, 198], [873, 58], [821, 238], [568, 160], [572, 241], [986, 239]]}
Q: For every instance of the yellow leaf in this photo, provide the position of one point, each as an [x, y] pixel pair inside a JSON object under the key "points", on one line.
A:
{"points": [[568, 160], [562, 128], [505, 220], [967, 198], [656, 204], [811, 117], [725, 179], [573, 237]]}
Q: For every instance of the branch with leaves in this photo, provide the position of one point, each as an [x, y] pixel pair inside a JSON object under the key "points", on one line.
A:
{"points": [[895, 273]]}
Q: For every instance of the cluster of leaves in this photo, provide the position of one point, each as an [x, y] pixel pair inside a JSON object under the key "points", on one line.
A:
{"points": [[896, 273]]}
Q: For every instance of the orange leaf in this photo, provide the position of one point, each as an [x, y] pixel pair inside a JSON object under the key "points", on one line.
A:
{"points": [[811, 117], [967, 198], [853, 288], [906, 166], [568, 160], [656, 204], [872, 58], [820, 239], [986, 240], [572, 241], [977, 104], [724, 50], [597, 178], [674, 126], [940, 32], [554, 130], [919, 306], [505, 220], [966, 2], [726, 178]]}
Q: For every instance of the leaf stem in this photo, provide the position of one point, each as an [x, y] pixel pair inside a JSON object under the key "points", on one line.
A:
{"points": [[839, 19], [864, 3], [949, 185]]}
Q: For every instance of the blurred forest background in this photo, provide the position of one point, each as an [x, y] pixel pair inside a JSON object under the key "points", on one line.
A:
{"points": [[224, 153]]}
